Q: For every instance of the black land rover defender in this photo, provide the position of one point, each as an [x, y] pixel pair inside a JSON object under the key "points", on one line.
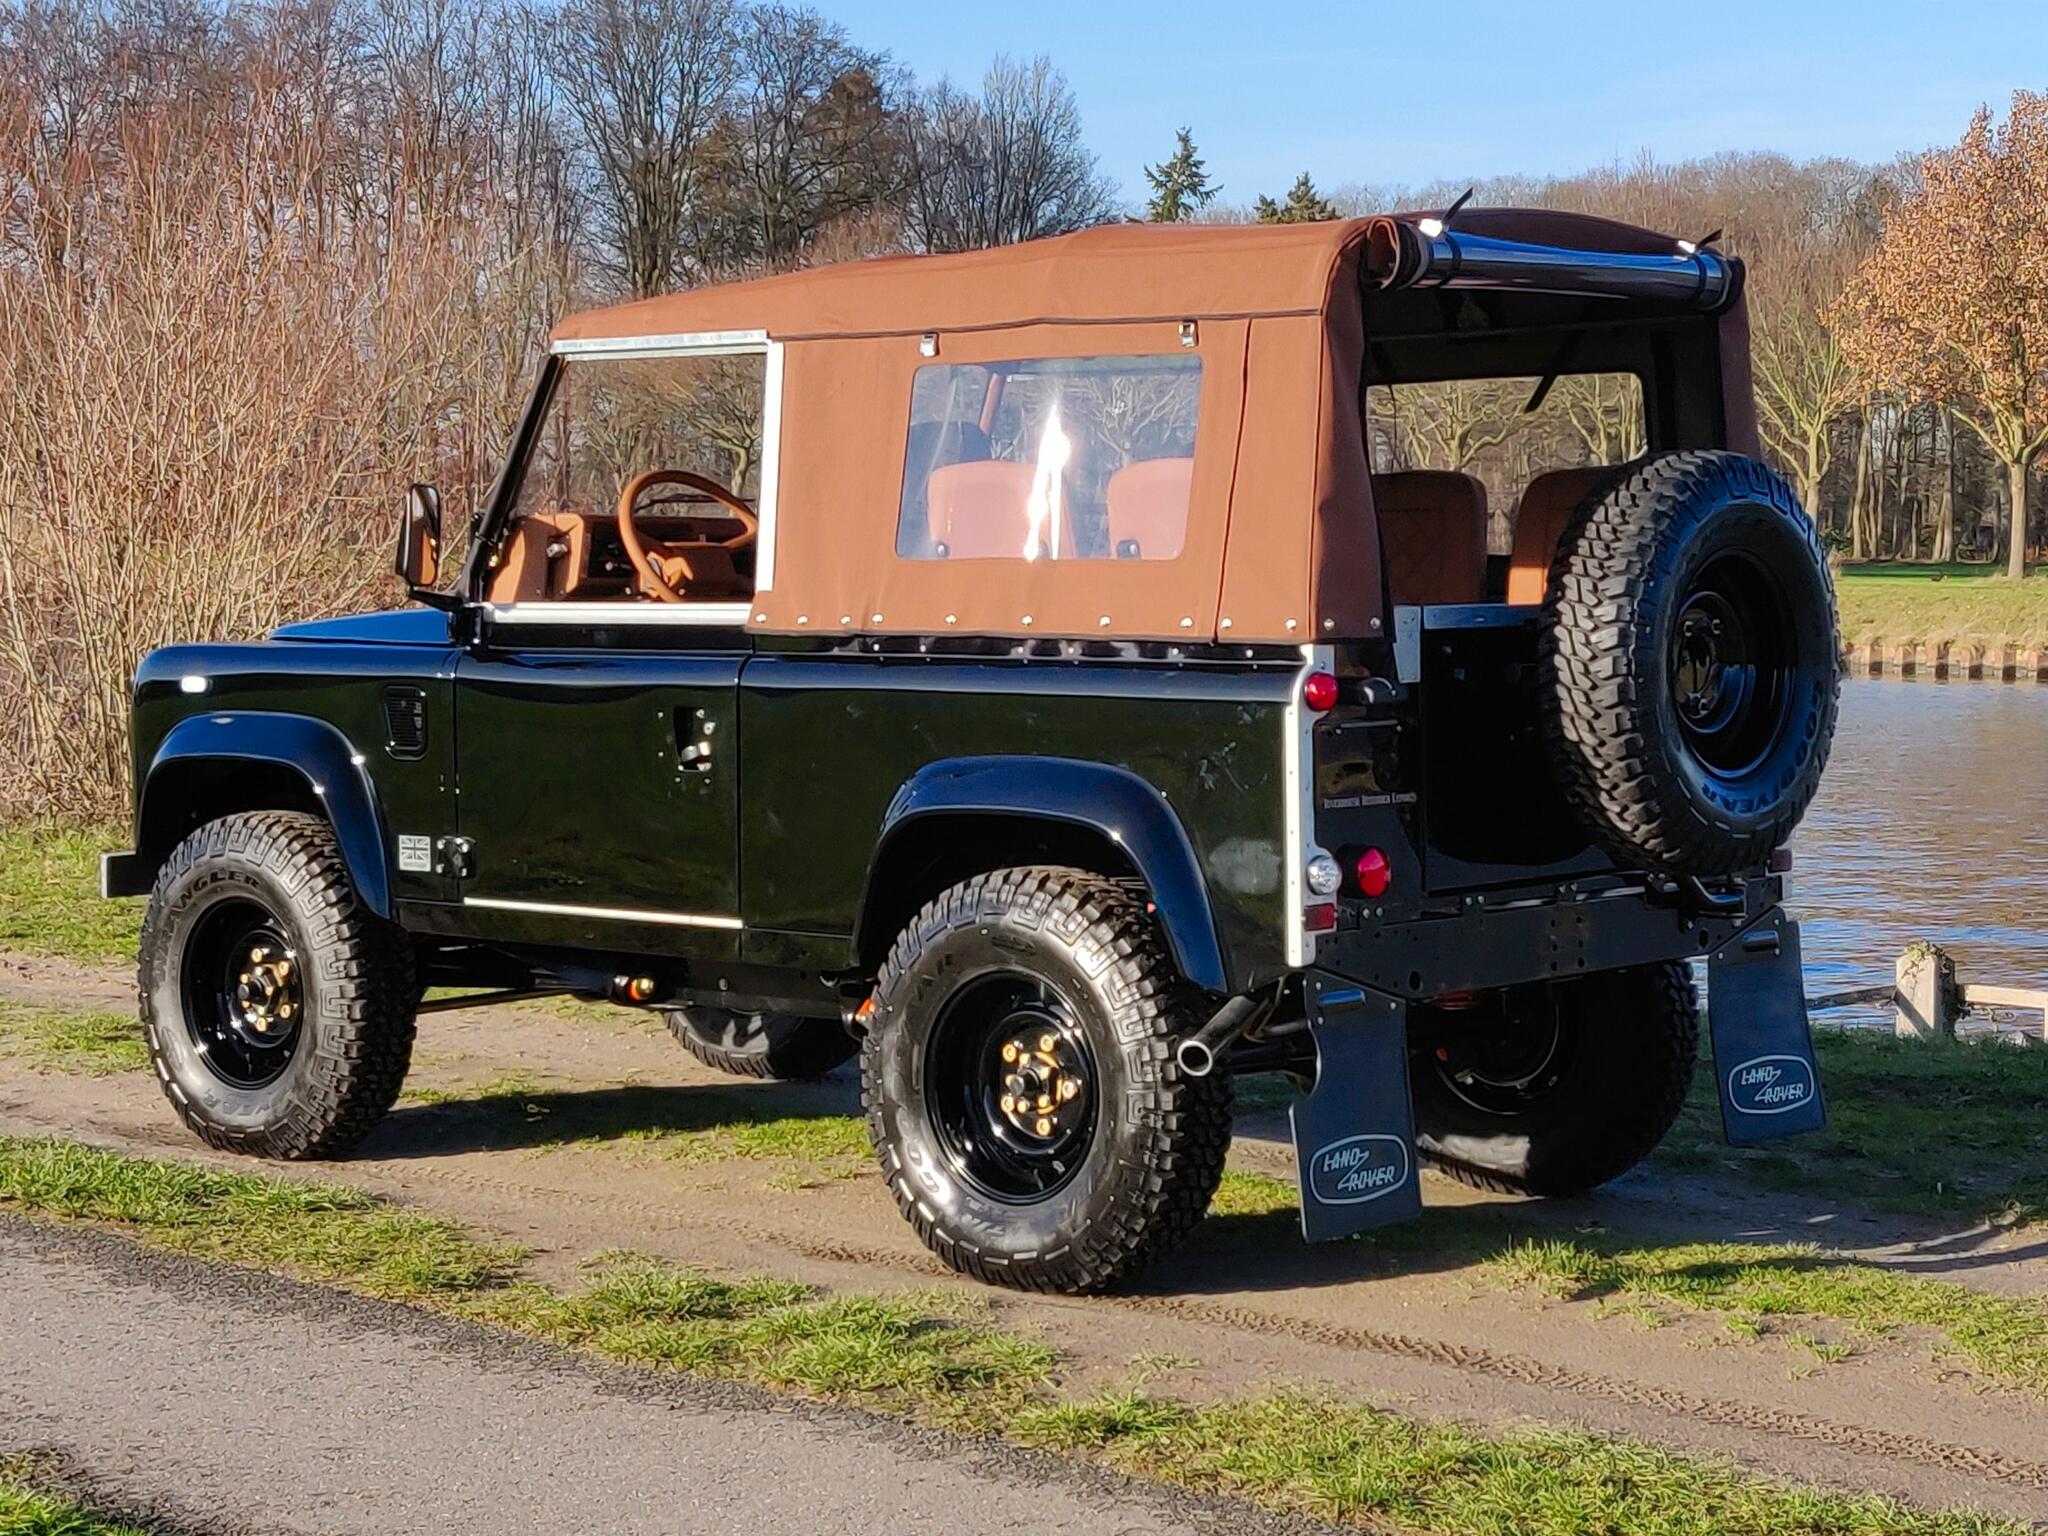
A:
{"points": [[1057, 675]]}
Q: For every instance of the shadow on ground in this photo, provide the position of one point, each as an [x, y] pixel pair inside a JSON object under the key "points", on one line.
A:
{"points": [[517, 1116]]}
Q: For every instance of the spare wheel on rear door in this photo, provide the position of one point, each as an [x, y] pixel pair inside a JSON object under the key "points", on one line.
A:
{"points": [[1690, 663]]}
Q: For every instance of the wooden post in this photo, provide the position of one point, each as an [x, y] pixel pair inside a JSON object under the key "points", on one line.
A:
{"points": [[1926, 1003]]}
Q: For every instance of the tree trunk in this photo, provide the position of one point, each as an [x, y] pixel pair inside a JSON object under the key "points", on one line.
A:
{"points": [[1945, 529], [2016, 554], [1856, 545]]}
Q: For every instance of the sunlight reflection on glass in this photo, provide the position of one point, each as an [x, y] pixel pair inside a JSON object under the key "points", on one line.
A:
{"points": [[1042, 508]]}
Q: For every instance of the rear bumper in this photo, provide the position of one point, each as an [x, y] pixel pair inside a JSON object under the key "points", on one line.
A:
{"points": [[124, 874], [1511, 938]]}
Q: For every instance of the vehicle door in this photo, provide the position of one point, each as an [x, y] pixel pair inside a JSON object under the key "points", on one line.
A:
{"points": [[596, 710]]}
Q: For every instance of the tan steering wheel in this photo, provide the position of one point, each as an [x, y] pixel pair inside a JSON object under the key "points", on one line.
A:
{"points": [[651, 556]]}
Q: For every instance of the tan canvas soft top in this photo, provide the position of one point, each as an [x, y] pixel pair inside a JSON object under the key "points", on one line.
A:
{"points": [[1280, 543], [1117, 272]]}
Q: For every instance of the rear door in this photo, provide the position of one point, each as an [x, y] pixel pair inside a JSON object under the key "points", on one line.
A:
{"points": [[598, 784]]}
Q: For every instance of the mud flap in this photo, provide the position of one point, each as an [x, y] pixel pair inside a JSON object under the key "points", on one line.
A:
{"points": [[1354, 1134], [1763, 1047]]}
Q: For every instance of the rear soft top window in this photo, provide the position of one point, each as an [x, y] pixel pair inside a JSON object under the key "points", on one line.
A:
{"points": [[1079, 458]]}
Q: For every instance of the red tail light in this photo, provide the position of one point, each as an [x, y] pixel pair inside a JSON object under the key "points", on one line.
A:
{"points": [[1373, 873], [1319, 692]]}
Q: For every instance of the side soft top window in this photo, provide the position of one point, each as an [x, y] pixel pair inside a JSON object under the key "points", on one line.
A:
{"points": [[1082, 458]]}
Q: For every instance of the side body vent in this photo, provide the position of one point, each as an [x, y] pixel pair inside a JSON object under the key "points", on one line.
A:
{"points": [[405, 723]]}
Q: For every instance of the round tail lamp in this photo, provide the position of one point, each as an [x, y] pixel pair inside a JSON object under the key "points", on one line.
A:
{"points": [[1373, 873]]}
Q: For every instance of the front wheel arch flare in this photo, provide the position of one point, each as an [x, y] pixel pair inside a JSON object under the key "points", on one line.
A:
{"points": [[311, 754]]}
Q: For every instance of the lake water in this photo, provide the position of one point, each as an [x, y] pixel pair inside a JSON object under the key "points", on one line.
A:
{"points": [[1932, 822]]}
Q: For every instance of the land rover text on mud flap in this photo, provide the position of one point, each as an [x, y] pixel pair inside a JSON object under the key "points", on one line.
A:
{"points": [[1066, 676]]}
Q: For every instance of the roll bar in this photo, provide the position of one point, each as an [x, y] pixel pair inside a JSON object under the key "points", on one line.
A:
{"points": [[1423, 253]]}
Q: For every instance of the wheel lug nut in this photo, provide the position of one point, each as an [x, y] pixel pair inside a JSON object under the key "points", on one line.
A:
{"points": [[1010, 1050], [1045, 1127], [1047, 1042]]}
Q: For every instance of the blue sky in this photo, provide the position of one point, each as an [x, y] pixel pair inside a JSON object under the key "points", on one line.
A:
{"points": [[1394, 91]]}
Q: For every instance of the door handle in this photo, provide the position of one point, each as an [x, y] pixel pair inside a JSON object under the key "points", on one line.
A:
{"points": [[694, 731]]}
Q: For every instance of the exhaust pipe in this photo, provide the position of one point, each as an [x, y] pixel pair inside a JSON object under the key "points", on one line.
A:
{"points": [[1198, 1053]]}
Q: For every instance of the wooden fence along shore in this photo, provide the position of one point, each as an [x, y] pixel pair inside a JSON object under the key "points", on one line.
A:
{"points": [[1947, 660], [1929, 1001]]}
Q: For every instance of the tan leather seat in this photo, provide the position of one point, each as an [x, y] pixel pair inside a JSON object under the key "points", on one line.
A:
{"points": [[1432, 536], [1547, 506], [981, 510], [1148, 507]]}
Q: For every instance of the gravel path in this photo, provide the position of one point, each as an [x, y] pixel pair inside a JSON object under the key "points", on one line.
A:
{"points": [[222, 1401]]}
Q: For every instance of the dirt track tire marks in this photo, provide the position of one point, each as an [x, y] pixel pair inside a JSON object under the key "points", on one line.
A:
{"points": [[1471, 1359], [1524, 1371]]}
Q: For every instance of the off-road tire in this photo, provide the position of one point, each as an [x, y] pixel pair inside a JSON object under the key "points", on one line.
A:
{"points": [[1627, 561], [773, 1046], [355, 1041], [1156, 1150], [1635, 1041]]}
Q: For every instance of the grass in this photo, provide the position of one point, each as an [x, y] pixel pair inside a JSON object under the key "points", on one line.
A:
{"points": [[316, 1232], [938, 1360], [1909, 603], [697, 1125], [1336, 1460], [69, 1040], [1934, 1128], [28, 1510], [2005, 1338], [50, 894]]}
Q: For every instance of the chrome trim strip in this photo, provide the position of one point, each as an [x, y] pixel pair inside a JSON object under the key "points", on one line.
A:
{"points": [[698, 615], [771, 470], [619, 914], [680, 344], [1298, 758]]}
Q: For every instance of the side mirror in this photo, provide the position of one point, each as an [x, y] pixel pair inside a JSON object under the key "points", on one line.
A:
{"points": [[418, 560]]}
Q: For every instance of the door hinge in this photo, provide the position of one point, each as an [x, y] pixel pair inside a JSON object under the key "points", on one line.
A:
{"points": [[454, 857]]}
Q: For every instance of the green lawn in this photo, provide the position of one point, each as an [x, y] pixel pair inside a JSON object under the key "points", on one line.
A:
{"points": [[938, 1359], [50, 894], [1914, 603], [1935, 1128]]}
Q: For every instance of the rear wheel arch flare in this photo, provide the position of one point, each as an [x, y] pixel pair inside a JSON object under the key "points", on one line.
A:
{"points": [[968, 816]]}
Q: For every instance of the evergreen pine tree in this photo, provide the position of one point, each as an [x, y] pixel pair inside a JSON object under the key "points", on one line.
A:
{"points": [[1180, 184], [1304, 205]]}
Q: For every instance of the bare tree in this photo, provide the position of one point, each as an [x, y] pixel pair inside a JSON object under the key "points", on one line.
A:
{"points": [[647, 82], [815, 138], [1804, 383], [1006, 165]]}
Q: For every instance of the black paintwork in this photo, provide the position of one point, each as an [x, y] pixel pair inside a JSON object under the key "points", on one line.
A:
{"points": [[841, 788]]}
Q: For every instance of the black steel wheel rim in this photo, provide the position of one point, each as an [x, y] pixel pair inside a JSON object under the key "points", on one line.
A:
{"points": [[1733, 653], [244, 993], [1506, 1055], [1011, 1086]]}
